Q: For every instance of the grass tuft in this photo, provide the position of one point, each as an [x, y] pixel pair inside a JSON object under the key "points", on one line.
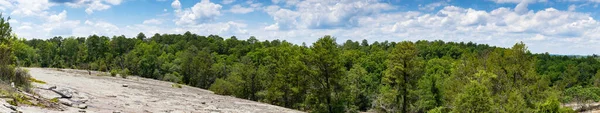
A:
{"points": [[36, 80]]}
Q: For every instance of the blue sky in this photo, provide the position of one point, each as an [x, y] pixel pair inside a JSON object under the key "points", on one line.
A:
{"points": [[554, 26]]}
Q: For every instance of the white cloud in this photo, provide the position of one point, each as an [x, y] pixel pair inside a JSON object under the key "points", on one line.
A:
{"points": [[93, 5], [176, 4], [432, 6], [152, 21], [201, 12], [114, 2], [547, 30], [5, 4], [59, 17], [98, 28], [240, 10], [538, 37], [31, 7], [96, 6], [324, 13]]}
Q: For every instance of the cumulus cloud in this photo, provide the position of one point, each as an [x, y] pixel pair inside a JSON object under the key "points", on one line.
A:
{"points": [[176, 4], [324, 13], [240, 9], [30, 7], [96, 6], [91, 5], [547, 30], [201, 12], [432, 6], [98, 28]]}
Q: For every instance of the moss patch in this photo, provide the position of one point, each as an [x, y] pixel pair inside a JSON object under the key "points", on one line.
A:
{"points": [[36, 80], [176, 85]]}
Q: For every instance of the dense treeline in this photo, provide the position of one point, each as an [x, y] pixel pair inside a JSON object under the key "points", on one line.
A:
{"points": [[422, 76]]}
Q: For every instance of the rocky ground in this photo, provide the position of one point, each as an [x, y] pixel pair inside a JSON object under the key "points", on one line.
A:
{"points": [[78, 91]]}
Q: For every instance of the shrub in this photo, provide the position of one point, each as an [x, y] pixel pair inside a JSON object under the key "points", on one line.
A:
{"points": [[173, 77], [93, 66], [21, 79], [113, 72], [125, 73], [222, 87]]}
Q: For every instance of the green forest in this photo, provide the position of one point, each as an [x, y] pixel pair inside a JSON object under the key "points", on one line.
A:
{"points": [[327, 76]]}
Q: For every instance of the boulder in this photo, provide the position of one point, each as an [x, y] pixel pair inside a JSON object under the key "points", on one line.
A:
{"points": [[65, 101], [64, 93], [47, 94]]}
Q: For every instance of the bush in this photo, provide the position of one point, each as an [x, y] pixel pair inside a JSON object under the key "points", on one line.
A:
{"points": [[113, 72], [125, 73], [173, 77], [222, 87], [21, 79], [552, 105], [93, 66]]}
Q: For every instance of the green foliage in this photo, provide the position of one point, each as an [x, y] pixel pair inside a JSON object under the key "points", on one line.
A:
{"points": [[36, 80], [124, 73], [176, 85], [327, 77], [476, 99], [552, 105], [114, 72], [223, 87], [403, 71], [173, 77], [421, 76]]}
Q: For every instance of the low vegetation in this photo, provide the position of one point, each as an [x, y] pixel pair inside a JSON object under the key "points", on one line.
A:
{"points": [[176, 85], [36, 80]]}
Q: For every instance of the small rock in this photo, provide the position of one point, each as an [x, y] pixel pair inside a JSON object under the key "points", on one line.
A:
{"points": [[65, 101], [116, 111], [125, 85], [203, 102], [82, 111], [82, 106]]}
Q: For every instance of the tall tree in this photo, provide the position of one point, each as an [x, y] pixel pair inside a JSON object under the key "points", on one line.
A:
{"points": [[403, 70], [325, 58]]}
